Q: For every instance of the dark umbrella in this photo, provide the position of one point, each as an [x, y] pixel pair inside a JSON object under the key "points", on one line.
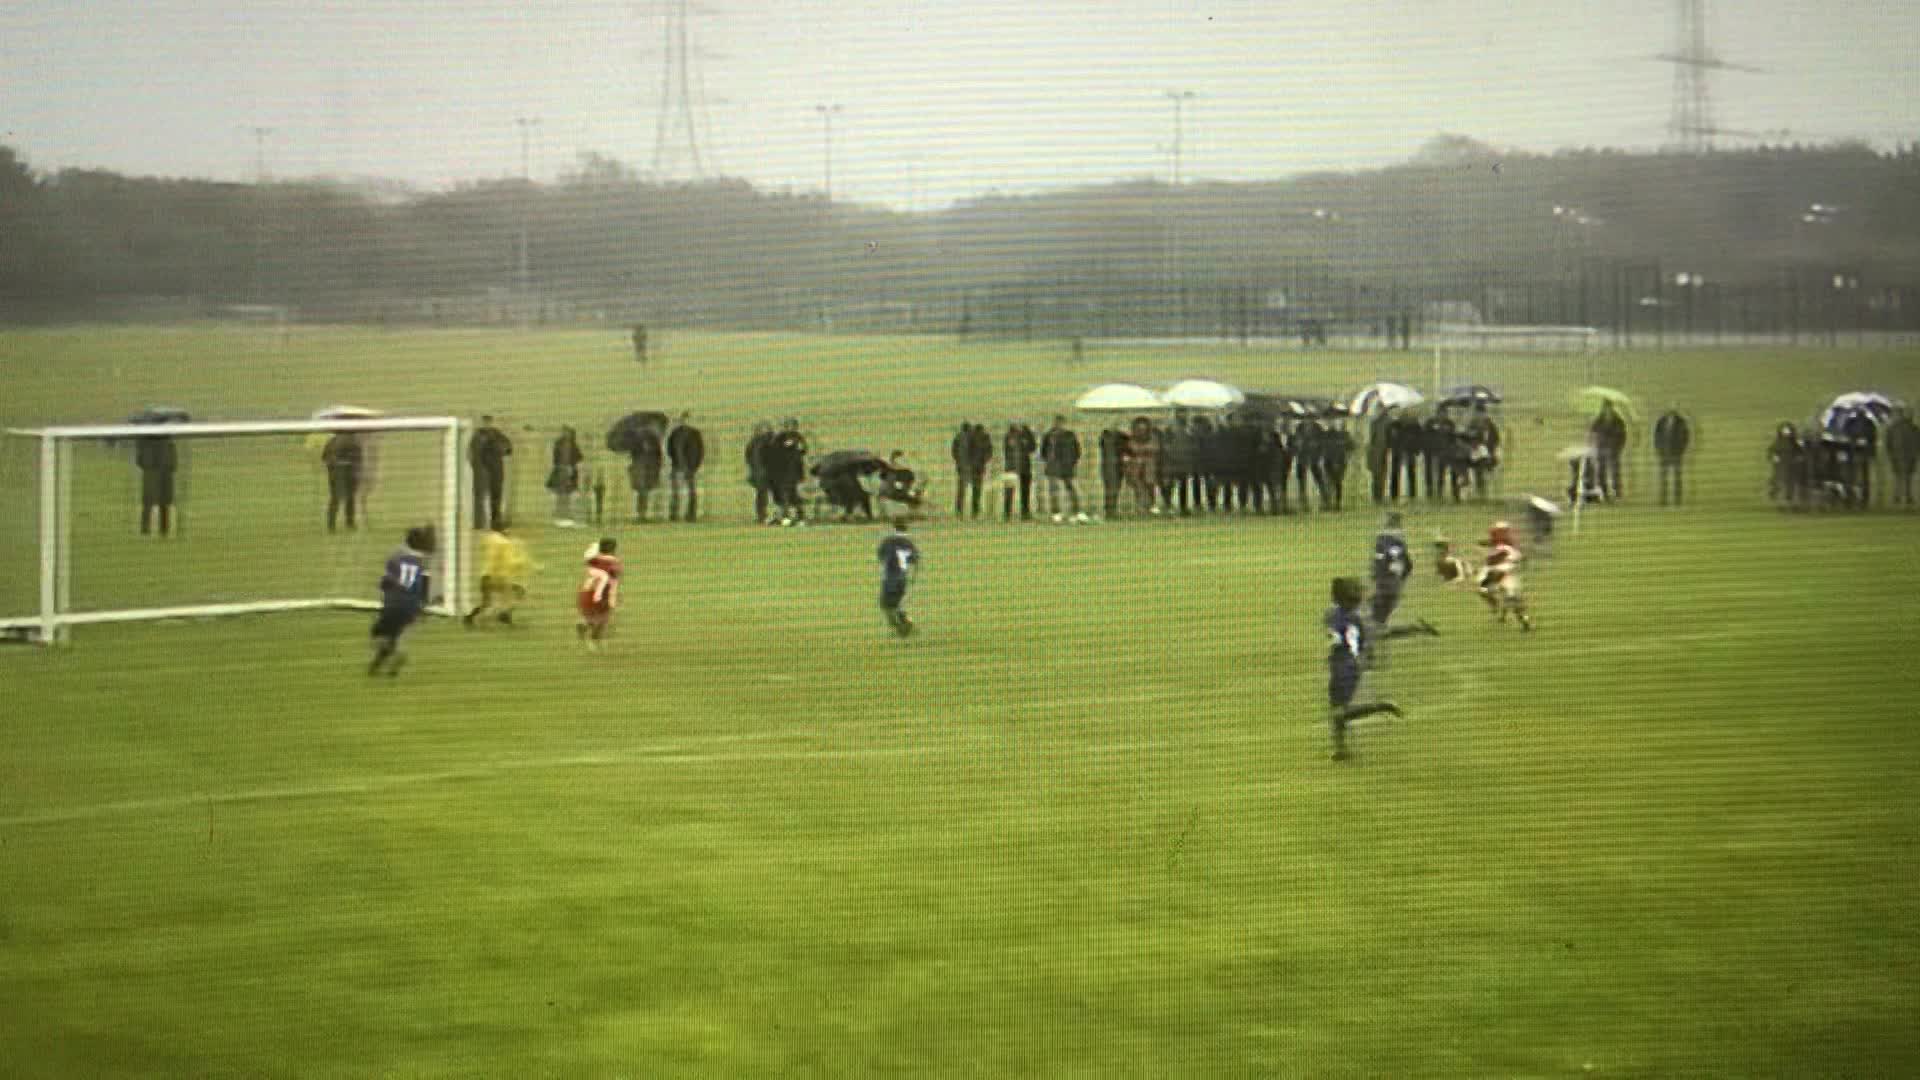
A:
{"points": [[625, 433], [839, 461], [1469, 396], [160, 414]]}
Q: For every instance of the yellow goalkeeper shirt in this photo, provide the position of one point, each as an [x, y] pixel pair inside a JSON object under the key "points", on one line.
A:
{"points": [[504, 557]]}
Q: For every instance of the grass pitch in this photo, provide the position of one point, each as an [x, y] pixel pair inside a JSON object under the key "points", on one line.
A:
{"points": [[1083, 824]]}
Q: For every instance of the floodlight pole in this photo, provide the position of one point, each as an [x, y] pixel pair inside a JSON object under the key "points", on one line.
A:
{"points": [[526, 124]]}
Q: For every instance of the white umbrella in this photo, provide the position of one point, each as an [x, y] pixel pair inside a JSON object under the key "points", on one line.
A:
{"points": [[1876, 406], [1384, 395], [347, 412], [1119, 397], [1203, 394]]}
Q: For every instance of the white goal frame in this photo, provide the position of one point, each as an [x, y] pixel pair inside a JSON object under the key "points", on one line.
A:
{"points": [[55, 617], [1453, 338]]}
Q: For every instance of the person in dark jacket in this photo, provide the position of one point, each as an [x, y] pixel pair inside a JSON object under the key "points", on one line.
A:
{"points": [[1279, 440], [1483, 450], [1308, 464], [1060, 451], [1903, 454], [487, 454], [1609, 436], [1016, 453], [1862, 433], [1257, 451], [1336, 448], [757, 476], [643, 469], [1403, 456], [787, 467], [1672, 435], [563, 478], [1436, 448], [686, 452], [1783, 459], [1113, 464], [972, 448], [1176, 466], [157, 459], [343, 457], [1377, 457], [1208, 455]]}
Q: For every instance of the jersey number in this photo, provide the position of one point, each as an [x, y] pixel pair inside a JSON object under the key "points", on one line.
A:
{"points": [[409, 575]]}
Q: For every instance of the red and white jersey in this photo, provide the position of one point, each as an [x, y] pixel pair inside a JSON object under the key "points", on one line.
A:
{"points": [[602, 584], [1503, 557]]}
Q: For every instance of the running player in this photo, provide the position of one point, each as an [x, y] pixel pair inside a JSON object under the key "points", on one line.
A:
{"points": [[403, 596], [599, 594]]}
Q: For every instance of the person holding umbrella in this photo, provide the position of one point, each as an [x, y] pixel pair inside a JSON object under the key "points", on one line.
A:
{"points": [[1377, 451], [644, 455], [1672, 436], [157, 459], [1608, 433]]}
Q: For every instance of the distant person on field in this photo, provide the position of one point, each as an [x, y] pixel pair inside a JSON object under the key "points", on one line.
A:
{"points": [[1143, 466], [1113, 470], [1060, 452], [899, 564], [686, 452], [563, 479], [639, 344], [1016, 454], [1436, 450], [487, 454], [1336, 449], [1672, 436], [1404, 435], [1391, 566], [343, 457], [1863, 448], [788, 466], [1377, 452], [157, 459], [1903, 454], [972, 448], [1176, 466]]}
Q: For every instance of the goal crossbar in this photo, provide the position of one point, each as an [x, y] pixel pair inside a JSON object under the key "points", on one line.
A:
{"points": [[55, 535]]}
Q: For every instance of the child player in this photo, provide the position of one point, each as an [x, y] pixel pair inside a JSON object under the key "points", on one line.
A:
{"points": [[1453, 569], [599, 593], [1348, 646], [899, 562], [503, 574], [1392, 566], [1500, 579], [403, 595]]}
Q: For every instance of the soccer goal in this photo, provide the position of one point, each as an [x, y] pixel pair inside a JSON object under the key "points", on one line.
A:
{"points": [[1470, 353], [135, 522]]}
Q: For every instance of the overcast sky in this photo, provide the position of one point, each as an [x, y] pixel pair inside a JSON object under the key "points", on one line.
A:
{"points": [[942, 98]]}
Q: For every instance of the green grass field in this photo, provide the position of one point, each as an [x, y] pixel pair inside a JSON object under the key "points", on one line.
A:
{"points": [[1083, 825]]}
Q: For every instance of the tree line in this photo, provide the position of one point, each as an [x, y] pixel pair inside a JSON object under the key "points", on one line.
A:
{"points": [[1579, 236]]}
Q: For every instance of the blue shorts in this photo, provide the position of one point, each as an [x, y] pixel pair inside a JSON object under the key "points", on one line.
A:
{"points": [[891, 593], [1385, 599], [394, 619], [1343, 683]]}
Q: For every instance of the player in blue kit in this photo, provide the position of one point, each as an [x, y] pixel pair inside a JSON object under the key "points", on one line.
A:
{"points": [[1345, 655], [899, 562], [1392, 566], [403, 596]]}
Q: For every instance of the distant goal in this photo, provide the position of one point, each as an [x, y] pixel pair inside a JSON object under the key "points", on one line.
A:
{"points": [[1467, 353], [254, 537]]}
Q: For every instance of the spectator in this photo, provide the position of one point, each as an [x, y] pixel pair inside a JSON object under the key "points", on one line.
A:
{"points": [[972, 449], [343, 457], [487, 454], [1377, 458], [1671, 437], [1143, 465], [1609, 436], [1176, 466], [787, 467], [1113, 465], [1903, 453], [1060, 452], [686, 452], [564, 477], [643, 469], [1016, 452], [158, 459], [757, 476], [1436, 447]]}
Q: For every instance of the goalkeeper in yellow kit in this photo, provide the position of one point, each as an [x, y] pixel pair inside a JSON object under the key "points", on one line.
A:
{"points": [[504, 567]]}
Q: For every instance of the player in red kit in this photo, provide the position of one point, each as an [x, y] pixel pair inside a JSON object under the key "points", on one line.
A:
{"points": [[599, 593], [1500, 577]]}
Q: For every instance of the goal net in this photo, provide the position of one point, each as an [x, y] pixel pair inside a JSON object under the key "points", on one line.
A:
{"points": [[126, 522], [1525, 362]]}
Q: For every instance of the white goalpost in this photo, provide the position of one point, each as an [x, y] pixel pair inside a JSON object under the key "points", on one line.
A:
{"points": [[437, 467], [1453, 342]]}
